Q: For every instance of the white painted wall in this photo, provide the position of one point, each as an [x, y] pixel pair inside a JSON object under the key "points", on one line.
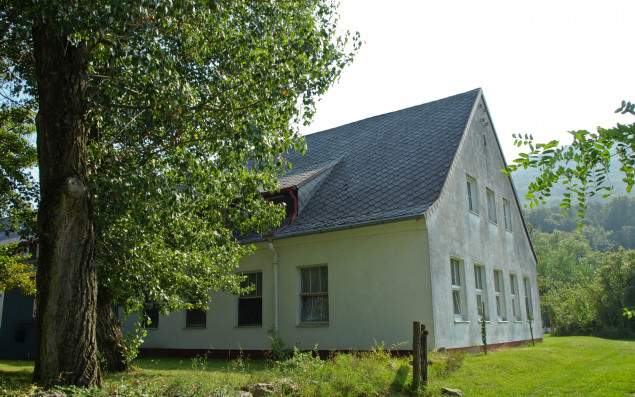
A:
{"points": [[456, 232], [379, 282]]}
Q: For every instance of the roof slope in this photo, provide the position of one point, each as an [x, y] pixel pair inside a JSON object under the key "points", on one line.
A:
{"points": [[386, 167]]}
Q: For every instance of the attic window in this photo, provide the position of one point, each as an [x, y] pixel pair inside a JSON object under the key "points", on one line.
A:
{"points": [[484, 140], [472, 195]]}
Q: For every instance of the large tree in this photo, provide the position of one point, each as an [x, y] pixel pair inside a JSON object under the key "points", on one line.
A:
{"points": [[159, 123]]}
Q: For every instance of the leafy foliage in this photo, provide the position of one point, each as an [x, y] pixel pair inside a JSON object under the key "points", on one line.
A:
{"points": [[18, 189], [190, 106], [582, 290], [582, 166], [14, 271]]}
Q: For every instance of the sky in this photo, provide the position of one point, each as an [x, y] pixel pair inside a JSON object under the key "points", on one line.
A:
{"points": [[545, 67]]}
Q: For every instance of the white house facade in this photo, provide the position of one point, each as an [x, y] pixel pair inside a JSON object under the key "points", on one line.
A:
{"points": [[398, 218]]}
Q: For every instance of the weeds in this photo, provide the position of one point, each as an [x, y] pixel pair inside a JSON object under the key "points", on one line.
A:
{"points": [[446, 363], [279, 348]]}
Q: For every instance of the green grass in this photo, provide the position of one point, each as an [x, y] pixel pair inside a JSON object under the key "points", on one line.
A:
{"points": [[571, 366], [560, 366]]}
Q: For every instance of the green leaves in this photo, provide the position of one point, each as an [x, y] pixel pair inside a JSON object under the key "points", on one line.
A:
{"points": [[190, 107], [14, 271], [583, 166]]}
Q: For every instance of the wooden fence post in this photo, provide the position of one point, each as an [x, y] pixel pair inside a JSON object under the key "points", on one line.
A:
{"points": [[424, 354], [416, 354]]}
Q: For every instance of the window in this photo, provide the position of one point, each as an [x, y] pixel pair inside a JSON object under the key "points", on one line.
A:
{"points": [[151, 316], [499, 293], [250, 303], [458, 291], [508, 215], [196, 318], [528, 303], [472, 195], [491, 206], [481, 291], [515, 304], [314, 294]]}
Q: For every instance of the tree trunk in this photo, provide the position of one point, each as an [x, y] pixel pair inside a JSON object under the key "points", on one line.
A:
{"points": [[110, 340], [66, 344]]}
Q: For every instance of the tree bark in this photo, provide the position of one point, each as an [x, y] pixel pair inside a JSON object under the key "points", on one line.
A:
{"points": [[110, 340], [66, 344]]}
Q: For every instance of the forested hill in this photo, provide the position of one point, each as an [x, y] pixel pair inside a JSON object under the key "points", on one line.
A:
{"points": [[609, 223]]}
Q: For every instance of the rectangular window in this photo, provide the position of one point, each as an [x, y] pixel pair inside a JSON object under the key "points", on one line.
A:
{"points": [[499, 293], [481, 291], [508, 215], [528, 304], [491, 206], [250, 303], [314, 294], [458, 289], [196, 318], [151, 316], [472, 195], [513, 281]]}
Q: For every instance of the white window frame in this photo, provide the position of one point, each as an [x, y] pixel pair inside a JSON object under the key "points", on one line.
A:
{"points": [[513, 292], [480, 285], [190, 323], [499, 295], [457, 277], [308, 295], [472, 194], [252, 278], [491, 206], [508, 215], [529, 307]]}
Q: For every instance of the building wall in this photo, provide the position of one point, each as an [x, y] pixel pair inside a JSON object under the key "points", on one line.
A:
{"points": [[470, 237], [17, 330], [378, 283]]}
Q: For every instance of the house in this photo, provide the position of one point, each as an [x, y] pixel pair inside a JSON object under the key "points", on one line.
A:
{"points": [[17, 310], [397, 218]]}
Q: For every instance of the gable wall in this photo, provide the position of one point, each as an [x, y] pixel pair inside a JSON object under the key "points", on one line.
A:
{"points": [[379, 282], [455, 232]]}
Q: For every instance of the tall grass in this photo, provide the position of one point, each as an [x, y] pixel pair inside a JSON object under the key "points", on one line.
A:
{"points": [[572, 366]]}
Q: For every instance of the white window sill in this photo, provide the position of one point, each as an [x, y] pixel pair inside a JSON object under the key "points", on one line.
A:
{"points": [[195, 327], [312, 325], [503, 321], [510, 231], [519, 321], [461, 321], [248, 326], [472, 212], [493, 223]]}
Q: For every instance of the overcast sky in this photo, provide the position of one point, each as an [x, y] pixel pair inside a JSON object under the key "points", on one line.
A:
{"points": [[545, 67]]}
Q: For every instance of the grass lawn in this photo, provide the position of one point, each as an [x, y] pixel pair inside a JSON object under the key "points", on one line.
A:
{"points": [[571, 366], [559, 366]]}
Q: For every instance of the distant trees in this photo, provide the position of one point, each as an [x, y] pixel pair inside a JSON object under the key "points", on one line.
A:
{"points": [[584, 290], [611, 224]]}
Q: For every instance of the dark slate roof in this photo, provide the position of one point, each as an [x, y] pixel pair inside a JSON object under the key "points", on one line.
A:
{"points": [[383, 168]]}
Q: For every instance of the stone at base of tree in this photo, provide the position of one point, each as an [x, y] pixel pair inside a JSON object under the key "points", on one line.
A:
{"points": [[49, 393], [285, 386], [452, 392]]}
